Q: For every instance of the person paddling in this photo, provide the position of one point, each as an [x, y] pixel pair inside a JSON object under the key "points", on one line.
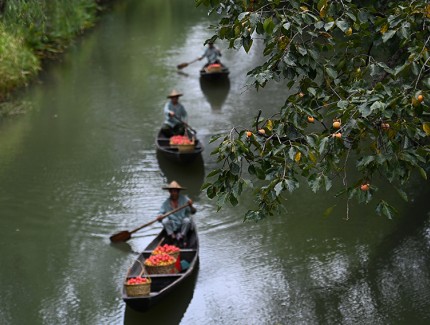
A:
{"points": [[177, 224], [212, 53], [174, 116]]}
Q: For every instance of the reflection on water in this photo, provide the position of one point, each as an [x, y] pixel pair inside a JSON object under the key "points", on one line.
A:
{"points": [[190, 175], [215, 91], [170, 310], [123, 247]]}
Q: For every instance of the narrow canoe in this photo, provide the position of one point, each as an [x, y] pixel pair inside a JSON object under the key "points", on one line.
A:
{"points": [[163, 285], [173, 153]]}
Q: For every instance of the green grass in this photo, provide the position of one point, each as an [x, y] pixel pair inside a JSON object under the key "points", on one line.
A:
{"points": [[33, 30], [18, 63]]}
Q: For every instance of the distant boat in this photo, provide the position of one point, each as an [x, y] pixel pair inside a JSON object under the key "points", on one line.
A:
{"points": [[163, 284], [214, 71], [177, 153]]}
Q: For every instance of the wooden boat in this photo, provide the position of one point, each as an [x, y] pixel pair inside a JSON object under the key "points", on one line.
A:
{"points": [[163, 284], [176, 154], [214, 71]]}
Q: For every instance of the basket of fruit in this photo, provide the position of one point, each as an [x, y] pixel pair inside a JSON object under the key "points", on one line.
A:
{"points": [[214, 67], [182, 142], [138, 286], [160, 264], [171, 250]]}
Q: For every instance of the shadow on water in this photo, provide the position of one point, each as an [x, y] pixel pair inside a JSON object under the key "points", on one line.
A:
{"points": [[215, 91], [190, 175], [170, 310]]}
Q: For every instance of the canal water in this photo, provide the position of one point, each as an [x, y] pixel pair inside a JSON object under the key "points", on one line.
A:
{"points": [[82, 166]]}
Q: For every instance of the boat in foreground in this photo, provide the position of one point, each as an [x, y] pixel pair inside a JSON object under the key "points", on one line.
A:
{"points": [[163, 284], [214, 71], [175, 153]]}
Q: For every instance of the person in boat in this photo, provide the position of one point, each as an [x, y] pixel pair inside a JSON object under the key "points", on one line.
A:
{"points": [[174, 116], [212, 53], [177, 224]]}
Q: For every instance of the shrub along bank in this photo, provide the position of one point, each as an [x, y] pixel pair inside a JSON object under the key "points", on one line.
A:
{"points": [[32, 31]]}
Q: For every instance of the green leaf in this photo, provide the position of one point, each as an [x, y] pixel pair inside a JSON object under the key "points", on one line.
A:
{"points": [[215, 137], [388, 35], [211, 192], [247, 43], [327, 182], [321, 3], [384, 209], [268, 25], [213, 173], [377, 106], [302, 50], [342, 104], [234, 168], [287, 25], [323, 145], [278, 188], [233, 200], [363, 162], [329, 25], [364, 109], [422, 173], [329, 211], [315, 183], [343, 25], [331, 72], [291, 184], [426, 127], [402, 194]]}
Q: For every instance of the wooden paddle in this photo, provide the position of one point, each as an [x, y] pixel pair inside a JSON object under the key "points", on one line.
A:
{"points": [[184, 65], [126, 235], [185, 124]]}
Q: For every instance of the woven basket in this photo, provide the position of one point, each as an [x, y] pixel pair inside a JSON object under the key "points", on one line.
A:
{"points": [[134, 290], [174, 254], [186, 147], [162, 269]]}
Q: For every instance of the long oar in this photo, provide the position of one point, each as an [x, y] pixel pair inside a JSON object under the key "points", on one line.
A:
{"points": [[126, 235], [186, 64]]}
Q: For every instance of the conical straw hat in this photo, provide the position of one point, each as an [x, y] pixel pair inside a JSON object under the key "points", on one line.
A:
{"points": [[174, 185], [174, 93]]}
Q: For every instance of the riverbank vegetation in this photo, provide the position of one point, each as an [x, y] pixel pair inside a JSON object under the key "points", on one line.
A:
{"points": [[357, 103], [33, 31]]}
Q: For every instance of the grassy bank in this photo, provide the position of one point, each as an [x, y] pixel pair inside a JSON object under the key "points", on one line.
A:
{"points": [[32, 31]]}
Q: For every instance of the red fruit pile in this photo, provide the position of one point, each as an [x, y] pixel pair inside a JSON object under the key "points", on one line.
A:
{"points": [[160, 260], [180, 139], [168, 249], [138, 280]]}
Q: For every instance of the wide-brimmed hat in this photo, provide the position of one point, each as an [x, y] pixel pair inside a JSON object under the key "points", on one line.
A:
{"points": [[174, 93], [174, 185]]}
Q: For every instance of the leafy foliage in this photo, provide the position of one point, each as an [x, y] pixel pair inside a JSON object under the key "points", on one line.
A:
{"points": [[18, 63], [364, 64], [33, 30]]}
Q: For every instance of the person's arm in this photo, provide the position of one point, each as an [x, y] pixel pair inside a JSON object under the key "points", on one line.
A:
{"points": [[204, 54], [162, 211], [192, 209], [167, 111]]}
